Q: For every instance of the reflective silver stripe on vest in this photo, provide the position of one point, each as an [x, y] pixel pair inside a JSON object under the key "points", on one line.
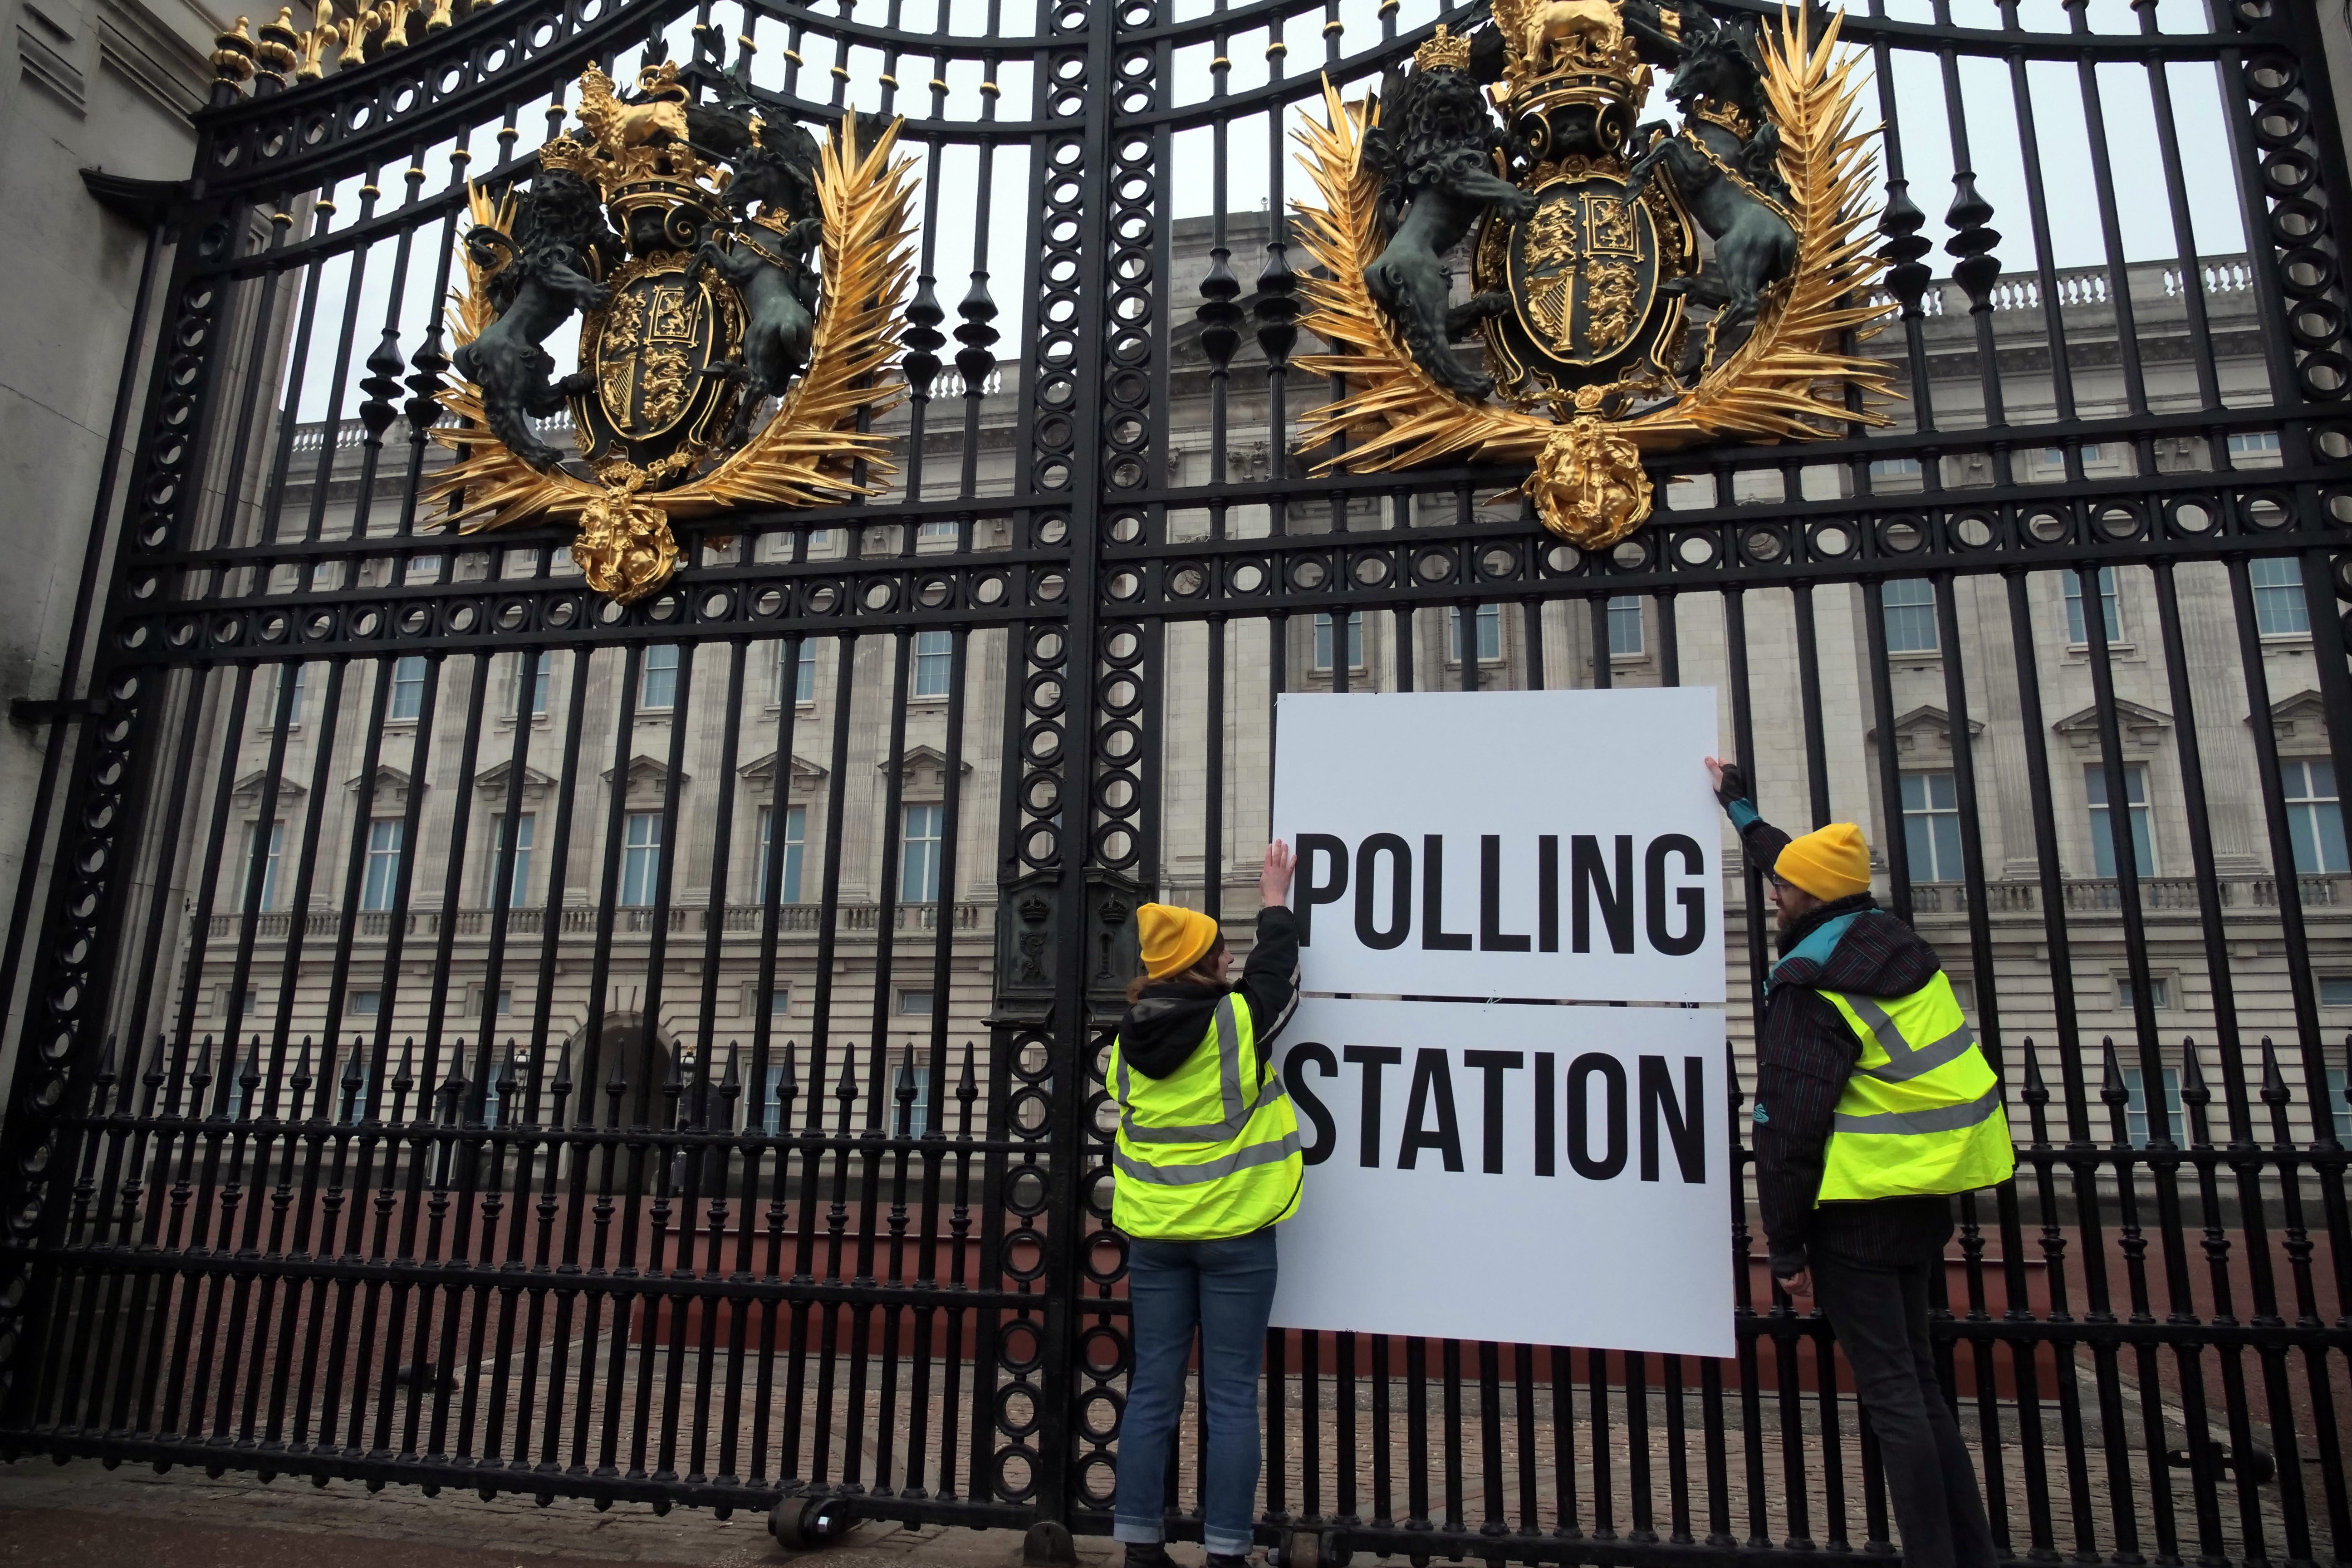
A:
{"points": [[1942, 1118], [1903, 1063], [1212, 1170], [1229, 1083]]}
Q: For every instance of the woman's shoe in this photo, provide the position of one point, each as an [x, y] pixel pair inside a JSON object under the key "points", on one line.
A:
{"points": [[1148, 1555]]}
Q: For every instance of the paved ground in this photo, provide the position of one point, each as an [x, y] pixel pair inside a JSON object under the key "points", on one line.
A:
{"points": [[53, 1516], [82, 1513]]}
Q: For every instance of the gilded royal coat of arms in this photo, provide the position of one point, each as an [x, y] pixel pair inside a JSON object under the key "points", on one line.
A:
{"points": [[739, 286], [1634, 287]]}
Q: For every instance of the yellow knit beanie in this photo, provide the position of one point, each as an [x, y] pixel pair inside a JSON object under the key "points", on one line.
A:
{"points": [[1829, 863], [1173, 940]]}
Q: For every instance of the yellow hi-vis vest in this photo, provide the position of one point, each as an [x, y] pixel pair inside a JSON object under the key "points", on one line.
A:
{"points": [[1922, 1112], [1212, 1150]]}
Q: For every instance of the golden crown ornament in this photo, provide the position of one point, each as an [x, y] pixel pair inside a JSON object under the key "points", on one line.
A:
{"points": [[723, 261], [1443, 50], [1604, 337]]}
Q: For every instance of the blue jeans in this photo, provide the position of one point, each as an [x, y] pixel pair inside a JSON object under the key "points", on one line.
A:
{"points": [[1227, 1289]]}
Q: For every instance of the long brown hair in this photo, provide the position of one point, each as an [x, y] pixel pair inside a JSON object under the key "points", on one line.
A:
{"points": [[1198, 975]]}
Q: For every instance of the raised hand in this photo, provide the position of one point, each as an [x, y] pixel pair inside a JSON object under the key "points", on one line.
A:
{"points": [[1273, 879]]}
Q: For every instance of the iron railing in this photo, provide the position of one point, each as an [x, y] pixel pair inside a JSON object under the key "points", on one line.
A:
{"points": [[643, 1239]]}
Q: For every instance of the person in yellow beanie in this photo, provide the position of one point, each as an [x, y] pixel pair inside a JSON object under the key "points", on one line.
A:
{"points": [[1873, 1105], [1205, 1164]]}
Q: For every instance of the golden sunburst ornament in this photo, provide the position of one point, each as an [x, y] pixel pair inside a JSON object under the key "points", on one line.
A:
{"points": [[697, 312], [1579, 393]]}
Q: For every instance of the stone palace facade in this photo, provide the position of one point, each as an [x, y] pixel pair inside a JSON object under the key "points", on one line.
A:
{"points": [[661, 886]]}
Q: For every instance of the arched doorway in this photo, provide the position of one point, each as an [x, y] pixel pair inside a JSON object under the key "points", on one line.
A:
{"points": [[628, 1050]]}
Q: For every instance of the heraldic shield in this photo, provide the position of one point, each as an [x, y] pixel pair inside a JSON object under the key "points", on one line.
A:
{"points": [[1633, 287], [659, 352], [1585, 275], [740, 283]]}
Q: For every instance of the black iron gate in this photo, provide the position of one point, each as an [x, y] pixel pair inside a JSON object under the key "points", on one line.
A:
{"points": [[451, 1055]]}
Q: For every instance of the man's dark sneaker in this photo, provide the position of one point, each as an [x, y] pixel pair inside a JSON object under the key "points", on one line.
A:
{"points": [[1148, 1555], [1216, 1561]]}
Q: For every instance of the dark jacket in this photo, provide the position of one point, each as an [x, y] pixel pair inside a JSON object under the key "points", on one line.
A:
{"points": [[1170, 1019], [1804, 1053]]}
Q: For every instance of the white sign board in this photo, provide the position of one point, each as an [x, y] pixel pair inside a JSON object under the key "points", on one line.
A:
{"points": [[1539, 1174], [1512, 844]]}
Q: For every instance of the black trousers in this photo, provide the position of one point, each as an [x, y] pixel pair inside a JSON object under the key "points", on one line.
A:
{"points": [[1880, 1315]]}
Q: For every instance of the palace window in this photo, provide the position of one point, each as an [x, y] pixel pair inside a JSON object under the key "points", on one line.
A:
{"points": [[2102, 839], [2136, 1119], [1931, 826], [537, 669], [1625, 626], [407, 688], [1489, 633], [1324, 632], [519, 886], [2077, 633], [795, 837], [911, 1075], [2280, 608], [266, 896], [1909, 604], [772, 1110], [934, 659], [288, 690], [382, 879], [919, 877], [641, 848], [2315, 816], [658, 682], [803, 677]]}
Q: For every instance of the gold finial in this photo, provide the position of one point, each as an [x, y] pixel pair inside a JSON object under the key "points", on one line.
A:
{"points": [[278, 45], [1443, 49], [232, 55]]}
